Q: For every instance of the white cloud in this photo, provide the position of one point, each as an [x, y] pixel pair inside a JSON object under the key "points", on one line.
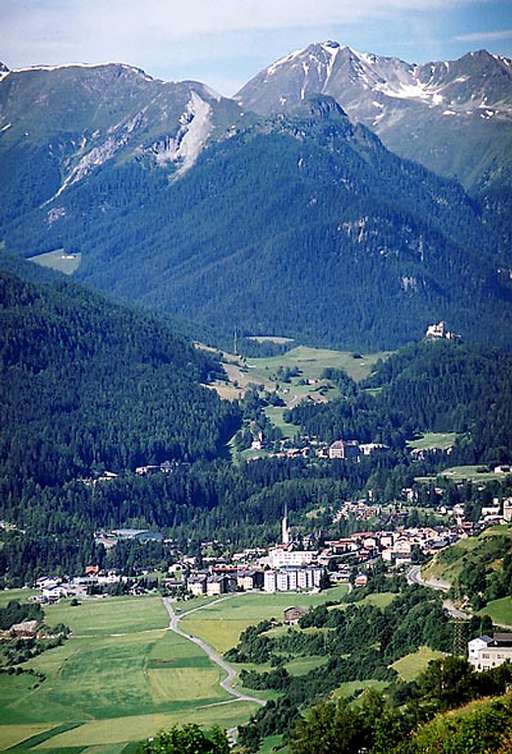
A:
{"points": [[484, 36], [174, 19], [220, 41]]}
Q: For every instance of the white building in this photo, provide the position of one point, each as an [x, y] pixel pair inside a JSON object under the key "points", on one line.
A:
{"points": [[293, 579], [280, 557], [487, 652]]}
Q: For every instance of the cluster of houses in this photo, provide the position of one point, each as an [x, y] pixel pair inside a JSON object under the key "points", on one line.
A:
{"points": [[94, 580], [341, 449], [311, 564]]}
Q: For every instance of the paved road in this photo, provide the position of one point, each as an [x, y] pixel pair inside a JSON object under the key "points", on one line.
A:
{"points": [[228, 682], [414, 577]]}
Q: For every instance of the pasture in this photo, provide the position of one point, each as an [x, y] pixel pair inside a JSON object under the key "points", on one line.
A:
{"points": [[59, 260], [221, 624], [410, 666], [467, 474], [122, 676], [499, 610], [433, 441]]}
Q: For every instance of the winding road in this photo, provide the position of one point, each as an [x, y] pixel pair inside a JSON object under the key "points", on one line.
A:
{"points": [[228, 682], [414, 577]]}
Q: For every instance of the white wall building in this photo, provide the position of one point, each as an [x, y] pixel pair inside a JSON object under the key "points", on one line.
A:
{"points": [[292, 579], [280, 557], [487, 652]]}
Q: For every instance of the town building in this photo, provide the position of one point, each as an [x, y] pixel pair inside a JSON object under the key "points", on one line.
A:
{"points": [[368, 448], [291, 579], [285, 532], [487, 652], [249, 580], [216, 585], [196, 585], [280, 557], [344, 449], [25, 630]]}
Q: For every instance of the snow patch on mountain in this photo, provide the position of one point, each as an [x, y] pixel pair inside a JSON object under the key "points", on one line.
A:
{"points": [[124, 66]]}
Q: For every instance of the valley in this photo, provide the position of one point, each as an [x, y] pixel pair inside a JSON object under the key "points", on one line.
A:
{"points": [[256, 397]]}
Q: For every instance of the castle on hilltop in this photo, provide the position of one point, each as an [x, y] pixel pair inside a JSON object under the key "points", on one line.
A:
{"points": [[439, 331]]}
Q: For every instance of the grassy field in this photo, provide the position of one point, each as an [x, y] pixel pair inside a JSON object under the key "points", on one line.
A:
{"points": [[447, 564], [410, 666], [310, 361], [59, 260], [466, 473], [20, 595], [122, 676], [221, 624], [349, 687], [499, 610], [433, 441], [273, 744]]}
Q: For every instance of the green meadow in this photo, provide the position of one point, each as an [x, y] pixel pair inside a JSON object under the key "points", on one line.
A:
{"points": [[467, 474], [59, 260], [500, 611], [410, 666], [122, 676], [433, 441], [220, 624]]}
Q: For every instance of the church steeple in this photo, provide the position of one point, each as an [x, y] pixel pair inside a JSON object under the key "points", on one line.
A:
{"points": [[285, 534]]}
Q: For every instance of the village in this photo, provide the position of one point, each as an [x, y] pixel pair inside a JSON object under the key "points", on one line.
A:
{"points": [[298, 562]]}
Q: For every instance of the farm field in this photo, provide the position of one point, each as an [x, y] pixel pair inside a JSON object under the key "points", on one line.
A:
{"points": [[20, 595], [221, 624], [122, 676], [410, 666], [310, 361]]}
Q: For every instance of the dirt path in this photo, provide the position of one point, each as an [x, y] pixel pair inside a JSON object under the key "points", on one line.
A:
{"points": [[228, 682]]}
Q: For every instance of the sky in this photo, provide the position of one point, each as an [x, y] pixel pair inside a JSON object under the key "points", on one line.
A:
{"points": [[225, 42]]}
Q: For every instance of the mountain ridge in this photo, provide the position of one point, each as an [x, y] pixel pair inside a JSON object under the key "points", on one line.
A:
{"points": [[420, 111]]}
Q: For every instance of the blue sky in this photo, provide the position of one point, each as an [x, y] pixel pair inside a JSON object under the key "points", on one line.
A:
{"points": [[225, 42]]}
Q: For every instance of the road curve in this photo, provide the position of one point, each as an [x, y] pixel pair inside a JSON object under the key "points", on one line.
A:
{"points": [[414, 577], [228, 682]]}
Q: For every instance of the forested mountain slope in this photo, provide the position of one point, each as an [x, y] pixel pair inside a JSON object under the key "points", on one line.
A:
{"points": [[89, 385], [443, 386], [303, 225]]}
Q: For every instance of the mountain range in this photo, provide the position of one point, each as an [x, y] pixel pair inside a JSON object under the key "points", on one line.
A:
{"points": [[453, 117], [280, 211]]}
